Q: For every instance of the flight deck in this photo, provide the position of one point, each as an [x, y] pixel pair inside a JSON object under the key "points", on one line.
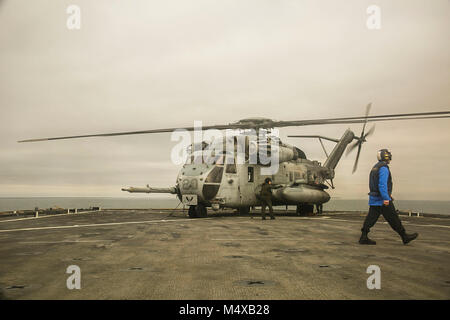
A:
{"points": [[163, 254]]}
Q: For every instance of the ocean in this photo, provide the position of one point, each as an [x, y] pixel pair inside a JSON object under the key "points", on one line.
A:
{"points": [[10, 204]]}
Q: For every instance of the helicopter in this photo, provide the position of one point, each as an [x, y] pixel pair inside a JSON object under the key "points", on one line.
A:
{"points": [[216, 177]]}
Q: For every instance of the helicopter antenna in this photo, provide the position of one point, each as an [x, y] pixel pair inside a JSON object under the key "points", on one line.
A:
{"points": [[323, 147]]}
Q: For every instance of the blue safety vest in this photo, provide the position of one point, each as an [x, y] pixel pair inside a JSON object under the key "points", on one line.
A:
{"points": [[380, 184]]}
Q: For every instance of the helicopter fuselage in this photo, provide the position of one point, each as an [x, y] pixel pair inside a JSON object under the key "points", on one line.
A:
{"points": [[238, 185], [219, 183]]}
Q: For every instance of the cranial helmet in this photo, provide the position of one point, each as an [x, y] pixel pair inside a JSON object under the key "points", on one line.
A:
{"points": [[384, 155]]}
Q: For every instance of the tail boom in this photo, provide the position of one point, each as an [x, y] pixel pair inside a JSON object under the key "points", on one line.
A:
{"points": [[339, 149]]}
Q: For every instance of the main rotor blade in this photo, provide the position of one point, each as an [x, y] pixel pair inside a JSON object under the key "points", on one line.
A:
{"points": [[127, 133], [361, 119], [372, 120], [269, 124]]}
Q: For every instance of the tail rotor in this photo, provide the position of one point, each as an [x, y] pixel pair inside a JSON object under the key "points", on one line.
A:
{"points": [[360, 140]]}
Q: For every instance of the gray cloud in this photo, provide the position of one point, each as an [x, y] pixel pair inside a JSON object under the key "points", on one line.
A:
{"points": [[151, 64]]}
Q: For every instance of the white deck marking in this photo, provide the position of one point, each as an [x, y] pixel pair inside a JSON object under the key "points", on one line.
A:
{"points": [[68, 241], [49, 216], [258, 239], [163, 220], [100, 224], [278, 217], [409, 223], [428, 225]]}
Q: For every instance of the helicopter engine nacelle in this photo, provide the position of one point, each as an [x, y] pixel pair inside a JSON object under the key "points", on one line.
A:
{"points": [[287, 154]]}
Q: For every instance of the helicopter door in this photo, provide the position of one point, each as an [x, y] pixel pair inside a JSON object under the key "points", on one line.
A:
{"points": [[247, 185], [230, 185]]}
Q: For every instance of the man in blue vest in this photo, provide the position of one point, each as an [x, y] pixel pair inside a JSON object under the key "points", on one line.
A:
{"points": [[380, 200]]}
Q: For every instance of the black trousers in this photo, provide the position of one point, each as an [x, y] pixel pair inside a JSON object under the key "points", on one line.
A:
{"points": [[389, 213], [264, 203]]}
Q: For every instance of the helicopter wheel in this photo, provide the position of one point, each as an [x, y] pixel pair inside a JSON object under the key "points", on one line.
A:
{"points": [[192, 212], [309, 210], [201, 211], [299, 210], [244, 210], [305, 210]]}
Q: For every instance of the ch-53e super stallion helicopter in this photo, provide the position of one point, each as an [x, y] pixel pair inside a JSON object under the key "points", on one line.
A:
{"points": [[298, 180]]}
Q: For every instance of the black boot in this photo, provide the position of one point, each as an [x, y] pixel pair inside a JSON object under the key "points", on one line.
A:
{"points": [[272, 217], [365, 240], [406, 238]]}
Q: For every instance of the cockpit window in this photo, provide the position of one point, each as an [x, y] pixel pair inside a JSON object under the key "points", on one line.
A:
{"points": [[215, 176], [230, 168], [250, 175]]}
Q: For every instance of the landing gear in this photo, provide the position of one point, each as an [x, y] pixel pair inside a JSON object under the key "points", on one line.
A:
{"points": [[191, 212], [305, 210], [201, 211], [198, 211], [319, 208]]}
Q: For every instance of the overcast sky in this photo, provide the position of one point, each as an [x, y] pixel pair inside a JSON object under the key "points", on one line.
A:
{"points": [[138, 65]]}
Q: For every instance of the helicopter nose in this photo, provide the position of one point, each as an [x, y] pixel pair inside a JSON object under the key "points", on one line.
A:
{"points": [[194, 169], [212, 183], [191, 178], [190, 184], [204, 183]]}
